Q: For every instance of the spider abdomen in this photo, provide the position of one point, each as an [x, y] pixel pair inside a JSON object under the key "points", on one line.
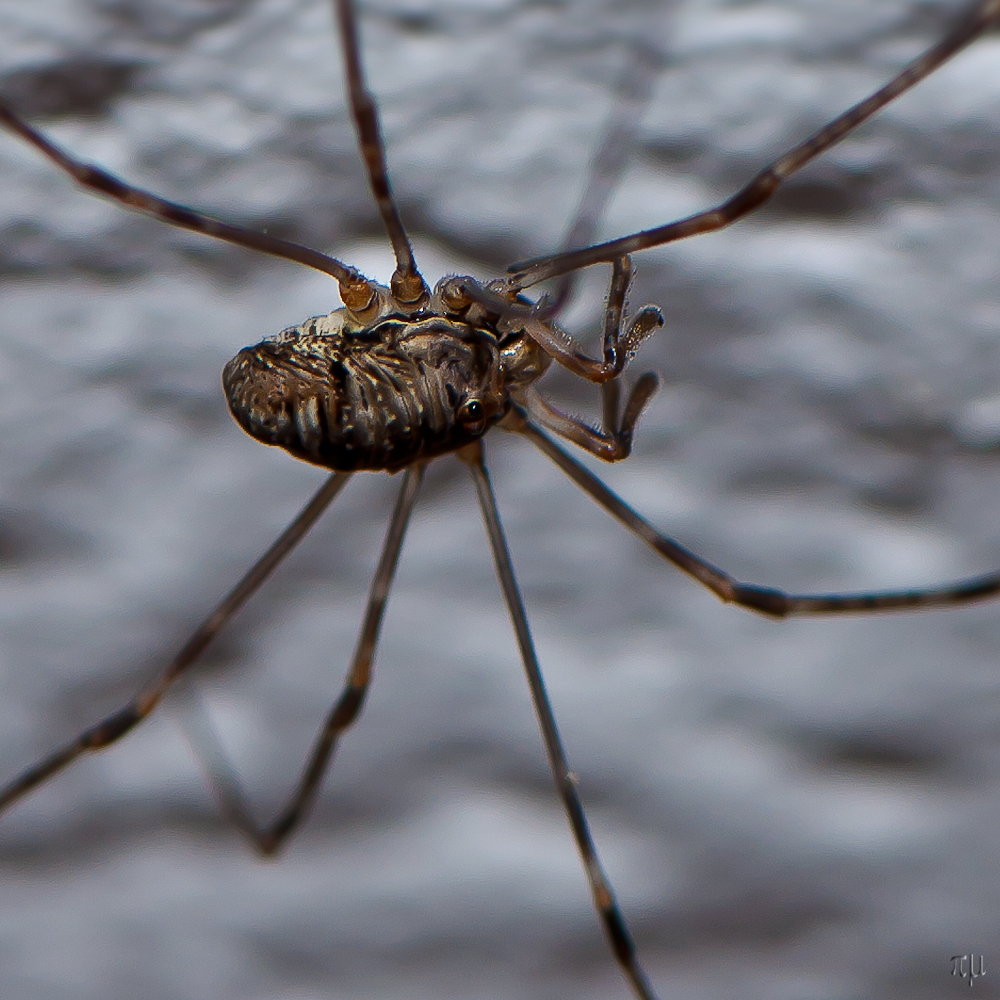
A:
{"points": [[375, 398]]}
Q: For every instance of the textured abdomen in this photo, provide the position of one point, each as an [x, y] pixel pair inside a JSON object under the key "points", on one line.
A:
{"points": [[377, 399]]}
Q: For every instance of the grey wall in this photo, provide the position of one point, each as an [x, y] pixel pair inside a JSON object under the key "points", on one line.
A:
{"points": [[789, 810]]}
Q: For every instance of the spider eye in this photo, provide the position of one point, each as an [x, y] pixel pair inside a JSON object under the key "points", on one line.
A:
{"points": [[471, 411]]}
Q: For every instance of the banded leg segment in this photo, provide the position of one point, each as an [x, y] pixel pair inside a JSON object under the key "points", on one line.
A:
{"points": [[116, 725], [619, 937], [407, 285], [978, 19], [765, 600], [345, 711], [101, 182]]}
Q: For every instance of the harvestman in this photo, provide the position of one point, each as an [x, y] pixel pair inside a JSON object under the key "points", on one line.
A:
{"points": [[401, 375]]}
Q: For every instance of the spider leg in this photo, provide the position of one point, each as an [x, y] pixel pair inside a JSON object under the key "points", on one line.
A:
{"points": [[621, 426], [101, 182], [977, 20], [614, 441], [116, 725], [407, 285], [764, 600], [533, 319], [345, 711], [619, 937], [617, 350], [621, 278], [610, 444]]}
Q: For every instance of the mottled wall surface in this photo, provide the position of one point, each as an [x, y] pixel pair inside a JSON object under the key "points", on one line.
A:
{"points": [[800, 810]]}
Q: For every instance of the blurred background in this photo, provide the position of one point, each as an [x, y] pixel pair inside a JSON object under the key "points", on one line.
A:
{"points": [[799, 810]]}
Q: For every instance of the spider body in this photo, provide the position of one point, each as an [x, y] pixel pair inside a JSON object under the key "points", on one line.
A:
{"points": [[350, 393]]}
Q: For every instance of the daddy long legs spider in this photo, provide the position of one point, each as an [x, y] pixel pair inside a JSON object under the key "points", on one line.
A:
{"points": [[773, 777]]}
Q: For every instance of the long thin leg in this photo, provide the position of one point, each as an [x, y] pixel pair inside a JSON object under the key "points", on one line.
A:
{"points": [[226, 785], [100, 181], [765, 600], [117, 724], [619, 937], [407, 285], [977, 20]]}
